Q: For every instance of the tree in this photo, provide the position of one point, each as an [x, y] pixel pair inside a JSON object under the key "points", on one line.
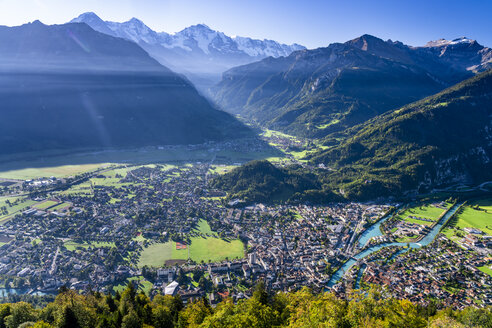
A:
{"points": [[260, 293], [68, 318], [4, 312], [162, 317], [41, 324], [131, 320], [20, 312]]}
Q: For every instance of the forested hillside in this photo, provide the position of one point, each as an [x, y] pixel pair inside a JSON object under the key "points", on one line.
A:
{"points": [[131, 309], [443, 140], [316, 92]]}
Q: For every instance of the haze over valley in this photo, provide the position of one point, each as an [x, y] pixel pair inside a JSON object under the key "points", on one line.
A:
{"points": [[197, 178]]}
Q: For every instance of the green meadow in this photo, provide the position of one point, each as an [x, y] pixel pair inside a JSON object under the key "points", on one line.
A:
{"points": [[428, 211], [480, 218], [204, 249], [55, 171]]}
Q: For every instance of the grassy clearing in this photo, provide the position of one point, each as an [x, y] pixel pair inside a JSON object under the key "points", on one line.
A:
{"points": [[201, 249], [486, 269], [18, 204], [210, 248], [156, 254], [141, 284], [429, 211], [55, 171], [267, 133], [221, 169], [480, 219], [204, 228], [46, 204], [60, 206], [324, 126], [215, 249], [72, 246]]}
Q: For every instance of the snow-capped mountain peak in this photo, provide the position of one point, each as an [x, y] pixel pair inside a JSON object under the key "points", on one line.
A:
{"points": [[197, 51], [198, 37], [93, 21], [444, 42]]}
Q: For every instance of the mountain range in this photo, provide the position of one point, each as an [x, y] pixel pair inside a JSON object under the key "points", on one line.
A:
{"points": [[202, 54], [441, 141], [316, 92], [71, 87]]}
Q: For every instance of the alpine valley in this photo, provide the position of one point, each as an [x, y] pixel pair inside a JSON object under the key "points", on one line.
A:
{"points": [[193, 179]]}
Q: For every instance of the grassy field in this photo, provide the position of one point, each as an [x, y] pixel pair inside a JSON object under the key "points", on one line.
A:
{"points": [[486, 269], [55, 171], [215, 249], [60, 206], [46, 204], [156, 254], [71, 245], [204, 227], [479, 219], [200, 249], [425, 211], [469, 217], [221, 169], [141, 283], [20, 205]]}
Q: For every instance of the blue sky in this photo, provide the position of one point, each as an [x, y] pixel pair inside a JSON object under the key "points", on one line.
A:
{"points": [[309, 22]]}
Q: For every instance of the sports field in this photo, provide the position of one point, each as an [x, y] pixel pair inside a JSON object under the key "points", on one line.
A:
{"points": [[46, 204]]}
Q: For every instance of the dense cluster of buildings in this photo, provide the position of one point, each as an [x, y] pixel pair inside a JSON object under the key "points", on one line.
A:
{"points": [[95, 228]]}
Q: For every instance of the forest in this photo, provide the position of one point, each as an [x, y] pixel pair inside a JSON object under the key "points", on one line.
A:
{"points": [[133, 309]]}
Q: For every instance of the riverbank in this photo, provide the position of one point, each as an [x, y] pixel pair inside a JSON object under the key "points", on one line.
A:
{"points": [[426, 240]]}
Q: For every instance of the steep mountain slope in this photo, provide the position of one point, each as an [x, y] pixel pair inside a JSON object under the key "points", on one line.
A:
{"points": [[439, 141], [199, 52], [260, 181], [68, 86], [317, 92]]}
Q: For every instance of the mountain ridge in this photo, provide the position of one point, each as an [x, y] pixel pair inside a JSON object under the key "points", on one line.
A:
{"points": [[199, 52], [438, 142], [73, 87], [316, 92]]}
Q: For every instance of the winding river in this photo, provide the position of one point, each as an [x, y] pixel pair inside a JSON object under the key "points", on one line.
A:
{"points": [[374, 231]]}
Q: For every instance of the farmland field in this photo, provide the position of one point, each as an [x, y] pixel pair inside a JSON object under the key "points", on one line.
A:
{"points": [[20, 204], [476, 218], [429, 211], [56, 171]]}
